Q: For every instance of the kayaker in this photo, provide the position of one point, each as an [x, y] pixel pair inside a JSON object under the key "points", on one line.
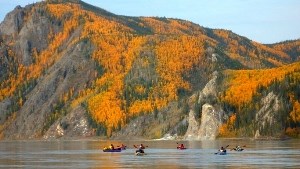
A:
{"points": [[111, 147], [123, 147], [141, 149], [222, 149], [181, 146], [238, 148], [142, 146]]}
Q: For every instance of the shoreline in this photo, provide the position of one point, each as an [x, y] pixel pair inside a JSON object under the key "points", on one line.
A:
{"points": [[142, 139]]}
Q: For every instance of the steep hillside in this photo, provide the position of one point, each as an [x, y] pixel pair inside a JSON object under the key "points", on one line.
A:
{"points": [[292, 48], [262, 102], [71, 69]]}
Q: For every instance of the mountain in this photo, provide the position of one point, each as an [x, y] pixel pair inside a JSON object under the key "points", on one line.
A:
{"points": [[290, 47], [69, 69]]}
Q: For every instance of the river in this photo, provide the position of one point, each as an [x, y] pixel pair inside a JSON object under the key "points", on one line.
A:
{"points": [[160, 154]]}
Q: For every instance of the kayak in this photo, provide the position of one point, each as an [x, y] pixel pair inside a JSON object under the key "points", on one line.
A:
{"points": [[235, 149], [112, 150], [221, 153], [139, 154], [179, 148], [122, 148]]}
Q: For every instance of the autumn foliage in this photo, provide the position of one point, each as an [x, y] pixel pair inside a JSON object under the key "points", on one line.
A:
{"points": [[243, 84], [228, 129], [117, 47], [143, 71]]}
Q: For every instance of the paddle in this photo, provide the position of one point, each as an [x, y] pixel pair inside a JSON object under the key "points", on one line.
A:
{"points": [[137, 146], [122, 147]]}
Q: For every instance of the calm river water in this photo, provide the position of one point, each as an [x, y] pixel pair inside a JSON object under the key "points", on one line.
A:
{"points": [[160, 154]]}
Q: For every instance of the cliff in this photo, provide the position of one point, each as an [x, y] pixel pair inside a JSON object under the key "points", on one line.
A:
{"points": [[69, 69]]}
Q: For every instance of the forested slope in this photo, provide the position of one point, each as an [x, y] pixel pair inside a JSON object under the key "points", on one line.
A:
{"points": [[71, 69]]}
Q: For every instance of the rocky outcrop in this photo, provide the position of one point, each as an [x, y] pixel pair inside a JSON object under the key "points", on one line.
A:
{"points": [[212, 115], [32, 36], [68, 72], [211, 120], [135, 129], [73, 71], [3, 110], [27, 34], [265, 118], [74, 124], [13, 22], [4, 62], [193, 127], [29, 29], [167, 124]]}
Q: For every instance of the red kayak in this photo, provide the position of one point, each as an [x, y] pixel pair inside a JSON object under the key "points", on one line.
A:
{"points": [[181, 148]]}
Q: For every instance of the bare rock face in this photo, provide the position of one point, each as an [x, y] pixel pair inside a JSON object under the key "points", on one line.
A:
{"points": [[13, 21], [163, 125], [212, 114], [4, 62], [266, 116], [193, 128], [27, 33], [74, 124], [211, 120], [210, 89], [32, 35], [3, 107], [73, 70], [135, 129]]}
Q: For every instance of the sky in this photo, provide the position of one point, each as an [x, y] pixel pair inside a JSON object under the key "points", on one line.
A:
{"points": [[264, 21]]}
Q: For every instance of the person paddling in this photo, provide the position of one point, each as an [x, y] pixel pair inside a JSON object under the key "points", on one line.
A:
{"points": [[222, 149], [111, 147], [181, 146], [122, 147], [140, 149], [238, 148]]}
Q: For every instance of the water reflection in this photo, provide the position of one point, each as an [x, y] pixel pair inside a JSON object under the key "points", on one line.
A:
{"points": [[160, 154]]}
